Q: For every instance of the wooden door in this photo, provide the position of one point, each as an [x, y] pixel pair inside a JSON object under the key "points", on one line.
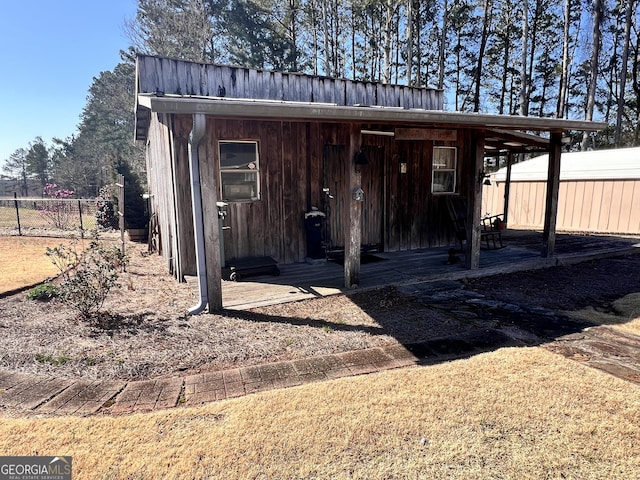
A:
{"points": [[335, 189], [373, 208]]}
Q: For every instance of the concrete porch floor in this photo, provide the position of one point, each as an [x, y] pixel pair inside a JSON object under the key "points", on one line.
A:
{"points": [[301, 281]]}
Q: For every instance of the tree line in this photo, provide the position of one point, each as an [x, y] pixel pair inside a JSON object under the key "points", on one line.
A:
{"points": [[551, 58]]}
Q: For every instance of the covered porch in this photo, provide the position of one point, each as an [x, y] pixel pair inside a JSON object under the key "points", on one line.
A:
{"points": [[301, 281]]}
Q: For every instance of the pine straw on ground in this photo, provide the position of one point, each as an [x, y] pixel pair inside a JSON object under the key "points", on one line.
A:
{"points": [[145, 332]]}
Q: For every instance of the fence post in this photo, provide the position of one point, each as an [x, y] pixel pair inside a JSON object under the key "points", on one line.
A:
{"points": [[120, 185], [15, 201], [81, 225]]}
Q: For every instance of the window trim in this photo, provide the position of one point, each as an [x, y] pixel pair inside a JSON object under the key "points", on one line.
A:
{"points": [[453, 170], [257, 196]]}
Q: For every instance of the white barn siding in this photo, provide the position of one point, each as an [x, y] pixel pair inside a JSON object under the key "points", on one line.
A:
{"points": [[599, 192]]}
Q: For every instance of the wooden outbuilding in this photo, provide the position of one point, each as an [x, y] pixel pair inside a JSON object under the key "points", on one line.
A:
{"points": [[378, 160]]}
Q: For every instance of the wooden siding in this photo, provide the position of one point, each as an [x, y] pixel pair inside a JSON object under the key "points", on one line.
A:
{"points": [[296, 161], [159, 158], [594, 206], [178, 77]]}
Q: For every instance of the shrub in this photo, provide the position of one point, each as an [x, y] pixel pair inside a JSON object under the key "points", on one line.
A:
{"points": [[88, 275], [59, 213], [105, 209], [43, 292]]}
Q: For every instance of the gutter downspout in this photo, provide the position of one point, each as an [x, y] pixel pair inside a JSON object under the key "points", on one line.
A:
{"points": [[195, 137]]}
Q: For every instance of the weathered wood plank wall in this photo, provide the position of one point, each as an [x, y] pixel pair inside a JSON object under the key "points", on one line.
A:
{"points": [[297, 160], [171, 76], [159, 158]]}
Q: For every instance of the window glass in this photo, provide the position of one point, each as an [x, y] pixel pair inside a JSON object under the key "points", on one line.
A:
{"points": [[444, 170], [239, 171]]}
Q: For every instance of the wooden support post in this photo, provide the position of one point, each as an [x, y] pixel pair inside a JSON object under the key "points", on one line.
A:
{"points": [[553, 189], [476, 170], [353, 213], [209, 172], [507, 188]]}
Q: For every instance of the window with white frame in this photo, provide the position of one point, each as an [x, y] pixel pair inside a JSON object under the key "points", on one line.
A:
{"points": [[239, 171], [445, 160]]}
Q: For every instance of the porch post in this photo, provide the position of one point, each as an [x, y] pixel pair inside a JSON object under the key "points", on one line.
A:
{"points": [[353, 213], [507, 187], [476, 170], [553, 189], [209, 174]]}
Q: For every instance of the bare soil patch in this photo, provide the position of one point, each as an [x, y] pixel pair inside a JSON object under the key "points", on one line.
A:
{"points": [[145, 332], [596, 283]]}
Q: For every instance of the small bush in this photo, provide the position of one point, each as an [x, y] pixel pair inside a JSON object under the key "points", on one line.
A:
{"points": [[88, 275], [43, 292], [50, 359], [59, 213], [105, 209]]}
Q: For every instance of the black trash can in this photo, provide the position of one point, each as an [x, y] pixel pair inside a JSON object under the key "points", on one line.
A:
{"points": [[313, 224]]}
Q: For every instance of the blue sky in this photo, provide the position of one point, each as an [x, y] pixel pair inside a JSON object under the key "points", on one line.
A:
{"points": [[50, 51]]}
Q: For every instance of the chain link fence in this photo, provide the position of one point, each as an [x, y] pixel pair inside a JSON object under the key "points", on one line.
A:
{"points": [[54, 217]]}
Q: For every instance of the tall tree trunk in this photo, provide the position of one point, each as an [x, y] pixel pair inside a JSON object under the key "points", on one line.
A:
{"points": [[443, 41], [635, 71], [593, 81], [564, 75], [353, 44], [623, 72], [397, 50], [532, 54], [506, 58], [328, 62], [386, 76], [523, 74], [418, 39], [458, 71], [483, 45], [410, 41]]}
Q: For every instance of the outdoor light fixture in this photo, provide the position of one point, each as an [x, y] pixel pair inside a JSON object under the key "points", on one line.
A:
{"points": [[361, 158], [483, 177]]}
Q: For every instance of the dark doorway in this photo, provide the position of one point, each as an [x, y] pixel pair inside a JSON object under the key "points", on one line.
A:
{"points": [[335, 175]]}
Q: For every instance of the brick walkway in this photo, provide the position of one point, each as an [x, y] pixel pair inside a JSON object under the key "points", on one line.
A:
{"points": [[599, 347], [56, 396]]}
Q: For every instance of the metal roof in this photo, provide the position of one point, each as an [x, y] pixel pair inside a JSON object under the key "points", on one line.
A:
{"points": [[618, 164], [265, 109]]}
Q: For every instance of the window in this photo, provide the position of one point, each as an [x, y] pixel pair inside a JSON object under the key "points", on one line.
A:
{"points": [[444, 170], [239, 171]]}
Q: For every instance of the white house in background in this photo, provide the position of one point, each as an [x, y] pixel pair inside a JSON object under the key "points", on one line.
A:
{"points": [[599, 192]]}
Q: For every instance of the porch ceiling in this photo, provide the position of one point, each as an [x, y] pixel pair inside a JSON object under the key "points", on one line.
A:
{"points": [[500, 127]]}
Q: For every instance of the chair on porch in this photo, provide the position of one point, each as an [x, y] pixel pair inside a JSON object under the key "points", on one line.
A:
{"points": [[492, 226]]}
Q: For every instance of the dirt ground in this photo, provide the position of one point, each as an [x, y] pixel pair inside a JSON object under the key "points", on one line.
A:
{"points": [[144, 331]]}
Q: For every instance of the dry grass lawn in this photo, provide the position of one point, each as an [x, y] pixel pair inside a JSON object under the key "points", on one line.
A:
{"points": [[24, 261], [626, 308], [510, 414]]}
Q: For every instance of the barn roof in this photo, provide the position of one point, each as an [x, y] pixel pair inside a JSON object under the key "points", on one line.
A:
{"points": [[622, 163]]}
